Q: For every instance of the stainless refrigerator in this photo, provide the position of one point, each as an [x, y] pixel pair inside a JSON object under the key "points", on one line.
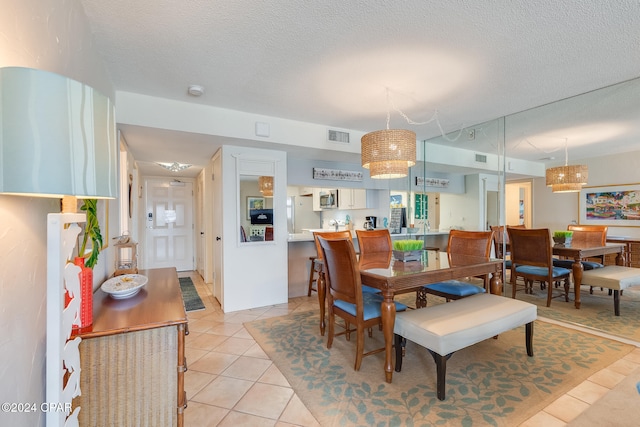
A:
{"points": [[300, 214]]}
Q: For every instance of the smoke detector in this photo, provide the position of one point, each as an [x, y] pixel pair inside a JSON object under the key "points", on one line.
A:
{"points": [[195, 90]]}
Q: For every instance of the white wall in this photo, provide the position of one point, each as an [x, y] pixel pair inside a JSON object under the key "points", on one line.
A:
{"points": [[556, 210], [51, 35], [255, 273]]}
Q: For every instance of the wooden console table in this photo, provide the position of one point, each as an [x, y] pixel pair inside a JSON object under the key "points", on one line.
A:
{"points": [[133, 359]]}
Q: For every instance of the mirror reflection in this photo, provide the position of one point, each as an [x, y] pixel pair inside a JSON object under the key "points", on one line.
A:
{"points": [[256, 210]]}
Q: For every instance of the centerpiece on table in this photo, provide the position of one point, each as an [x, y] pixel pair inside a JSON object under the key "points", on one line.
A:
{"points": [[562, 237], [407, 250]]}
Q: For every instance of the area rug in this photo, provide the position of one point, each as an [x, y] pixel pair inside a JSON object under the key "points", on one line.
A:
{"points": [[490, 383], [192, 301], [596, 310]]}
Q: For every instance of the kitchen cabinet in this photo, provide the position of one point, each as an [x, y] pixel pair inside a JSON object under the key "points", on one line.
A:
{"points": [[352, 198]]}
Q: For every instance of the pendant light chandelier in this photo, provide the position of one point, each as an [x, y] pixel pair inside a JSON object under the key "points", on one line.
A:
{"points": [[388, 153], [265, 183], [567, 178]]}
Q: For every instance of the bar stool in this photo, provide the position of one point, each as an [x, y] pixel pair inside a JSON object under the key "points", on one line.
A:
{"points": [[312, 276]]}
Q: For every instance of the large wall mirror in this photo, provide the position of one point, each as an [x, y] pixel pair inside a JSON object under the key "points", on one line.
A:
{"points": [[256, 208]]}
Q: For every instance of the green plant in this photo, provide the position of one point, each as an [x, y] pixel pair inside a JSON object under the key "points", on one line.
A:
{"points": [[91, 231], [407, 245], [563, 233]]}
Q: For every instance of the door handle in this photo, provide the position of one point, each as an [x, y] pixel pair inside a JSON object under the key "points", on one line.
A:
{"points": [[218, 238]]}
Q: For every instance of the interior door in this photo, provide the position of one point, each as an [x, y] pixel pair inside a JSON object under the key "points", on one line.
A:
{"points": [[169, 224], [217, 230]]}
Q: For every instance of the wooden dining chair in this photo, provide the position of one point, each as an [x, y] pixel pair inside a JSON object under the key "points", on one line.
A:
{"points": [[338, 235], [313, 276], [374, 241], [345, 296], [586, 235], [532, 260], [473, 243]]}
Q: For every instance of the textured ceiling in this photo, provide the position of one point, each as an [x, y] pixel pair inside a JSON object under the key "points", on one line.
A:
{"points": [[335, 62]]}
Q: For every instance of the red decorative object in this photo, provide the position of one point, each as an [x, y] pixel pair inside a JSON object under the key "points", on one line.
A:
{"points": [[86, 294]]}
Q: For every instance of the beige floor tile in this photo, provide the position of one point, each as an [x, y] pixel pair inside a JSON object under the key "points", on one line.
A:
{"points": [[256, 351], [566, 408], [624, 366], [201, 415], [265, 400], [195, 381], [206, 341], [224, 392], [201, 325], [247, 368], [193, 354], [543, 419], [298, 414], [226, 329], [243, 318], [588, 392], [273, 376], [243, 333], [634, 356], [213, 362], [235, 419], [234, 345], [607, 378]]}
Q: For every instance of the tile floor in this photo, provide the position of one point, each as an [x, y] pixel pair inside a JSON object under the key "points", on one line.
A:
{"points": [[232, 382]]}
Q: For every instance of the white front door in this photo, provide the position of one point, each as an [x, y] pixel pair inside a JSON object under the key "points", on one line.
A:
{"points": [[169, 224]]}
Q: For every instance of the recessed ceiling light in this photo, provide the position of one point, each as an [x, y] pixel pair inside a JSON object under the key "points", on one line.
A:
{"points": [[195, 90]]}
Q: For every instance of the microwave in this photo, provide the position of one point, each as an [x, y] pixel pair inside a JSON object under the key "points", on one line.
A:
{"points": [[329, 199]]}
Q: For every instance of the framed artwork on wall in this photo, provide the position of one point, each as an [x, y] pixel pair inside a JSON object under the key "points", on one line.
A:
{"points": [[612, 205], [254, 203]]}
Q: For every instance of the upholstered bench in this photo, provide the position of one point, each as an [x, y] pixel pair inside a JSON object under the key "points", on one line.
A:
{"points": [[614, 277], [446, 328]]}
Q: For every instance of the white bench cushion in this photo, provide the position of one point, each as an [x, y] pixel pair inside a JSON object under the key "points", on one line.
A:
{"points": [[449, 327], [616, 277]]}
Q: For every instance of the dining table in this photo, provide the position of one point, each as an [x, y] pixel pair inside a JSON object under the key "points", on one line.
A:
{"points": [[580, 253], [393, 277]]}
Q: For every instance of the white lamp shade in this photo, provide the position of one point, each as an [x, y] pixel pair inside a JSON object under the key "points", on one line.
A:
{"points": [[57, 136]]}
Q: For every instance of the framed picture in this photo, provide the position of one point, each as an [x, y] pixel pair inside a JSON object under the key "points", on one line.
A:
{"points": [[254, 203], [613, 205]]}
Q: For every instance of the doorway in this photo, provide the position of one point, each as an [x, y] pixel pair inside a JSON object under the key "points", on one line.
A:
{"points": [[169, 224], [519, 203]]}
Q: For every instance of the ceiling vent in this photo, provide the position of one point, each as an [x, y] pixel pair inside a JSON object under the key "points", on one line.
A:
{"points": [[338, 136], [481, 158]]}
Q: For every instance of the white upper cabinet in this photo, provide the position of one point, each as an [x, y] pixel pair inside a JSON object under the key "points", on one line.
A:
{"points": [[352, 198]]}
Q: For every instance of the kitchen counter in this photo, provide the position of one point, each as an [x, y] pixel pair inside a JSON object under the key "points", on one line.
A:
{"points": [[307, 235]]}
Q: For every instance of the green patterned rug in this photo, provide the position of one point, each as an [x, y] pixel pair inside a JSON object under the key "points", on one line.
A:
{"points": [[596, 310], [490, 383], [192, 301]]}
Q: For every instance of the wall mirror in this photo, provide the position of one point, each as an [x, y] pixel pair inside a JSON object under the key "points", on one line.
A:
{"points": [[256, 208]]}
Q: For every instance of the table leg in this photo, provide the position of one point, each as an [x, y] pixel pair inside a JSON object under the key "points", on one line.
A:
{"points": [[496, 283], [577, 280], [620, 258], [322, 293], [388, 320]]}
